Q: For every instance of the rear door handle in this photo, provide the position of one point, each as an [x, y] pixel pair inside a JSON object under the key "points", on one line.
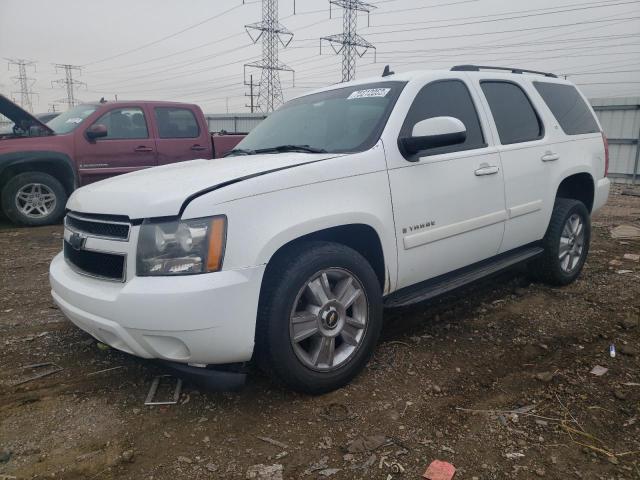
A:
{"points": [[198, 148], [143, 148], [486, 169], [550, 157]]}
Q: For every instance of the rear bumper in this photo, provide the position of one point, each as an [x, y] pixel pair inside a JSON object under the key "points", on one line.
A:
{"points": [[205, 319], [601, 194]]}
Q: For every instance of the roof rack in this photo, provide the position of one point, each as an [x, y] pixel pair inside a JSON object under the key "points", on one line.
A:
{"points": [[477, 68]]}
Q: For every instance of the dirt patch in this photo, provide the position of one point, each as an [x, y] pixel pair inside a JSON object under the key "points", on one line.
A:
{"points": [[494, 379]]}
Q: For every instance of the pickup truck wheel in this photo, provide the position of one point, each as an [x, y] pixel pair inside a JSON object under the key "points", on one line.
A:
{"points": [[33, 199], [320, 317], [566, 243]]}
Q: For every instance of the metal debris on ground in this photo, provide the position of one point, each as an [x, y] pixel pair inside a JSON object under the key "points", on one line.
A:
{"points": [[598, 370], [56, 368], [625, 232], [272, 442], [154, 388], [104, 371], [439, 470]]}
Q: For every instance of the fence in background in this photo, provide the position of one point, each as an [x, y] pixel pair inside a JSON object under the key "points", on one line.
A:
{"points": [[620, 119], [233, 122]]}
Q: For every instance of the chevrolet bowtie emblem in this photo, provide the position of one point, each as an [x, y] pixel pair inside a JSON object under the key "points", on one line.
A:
{"points": [[77, 241]]}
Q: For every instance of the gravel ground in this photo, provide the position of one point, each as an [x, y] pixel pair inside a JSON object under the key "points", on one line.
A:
{"points": [[494, 379]]}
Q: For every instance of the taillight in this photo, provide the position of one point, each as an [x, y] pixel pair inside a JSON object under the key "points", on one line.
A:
{"points": [[606, 154]]}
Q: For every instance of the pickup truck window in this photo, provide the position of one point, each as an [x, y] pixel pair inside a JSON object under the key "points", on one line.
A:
{"points": [[176, 123], [124, 123], [568, 107], [515, 117], [68, 121], [348, 119], [446, 98]]}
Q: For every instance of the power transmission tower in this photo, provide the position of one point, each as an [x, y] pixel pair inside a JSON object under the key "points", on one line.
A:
{"points": [[252, 106], [273, 34], [23, 82], [68, 82], [349, 43]]}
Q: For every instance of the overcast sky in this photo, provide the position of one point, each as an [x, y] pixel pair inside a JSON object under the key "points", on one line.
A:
{"points": [[195, 50]]}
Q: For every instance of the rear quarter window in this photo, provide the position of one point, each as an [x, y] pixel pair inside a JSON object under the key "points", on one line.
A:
{"points": [[568, 107]]}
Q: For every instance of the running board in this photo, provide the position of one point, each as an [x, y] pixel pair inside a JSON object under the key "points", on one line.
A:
{"points": [[450, 281]]}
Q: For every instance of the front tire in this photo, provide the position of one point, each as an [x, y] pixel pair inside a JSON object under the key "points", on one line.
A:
{"points": [[34, 199], [566, 243], [319, 318]]}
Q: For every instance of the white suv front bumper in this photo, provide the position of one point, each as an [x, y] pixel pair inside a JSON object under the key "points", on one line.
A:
{"points": [[201, 319]]}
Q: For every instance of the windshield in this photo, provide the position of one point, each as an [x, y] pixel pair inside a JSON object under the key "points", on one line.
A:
{"points": [[348, 119], [68, 121]]}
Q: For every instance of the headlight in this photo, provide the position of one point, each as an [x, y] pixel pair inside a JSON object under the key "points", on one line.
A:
{"points": [[181, 247]]}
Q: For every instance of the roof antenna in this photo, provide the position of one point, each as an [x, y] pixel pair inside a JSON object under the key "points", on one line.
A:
{"points": [[387, 71]]}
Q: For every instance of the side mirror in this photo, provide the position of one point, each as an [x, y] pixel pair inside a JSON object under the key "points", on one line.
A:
{"points": [[97, 131], [432, 133]]}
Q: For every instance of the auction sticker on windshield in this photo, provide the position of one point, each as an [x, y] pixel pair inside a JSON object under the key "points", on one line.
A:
{"points": [[369, 93]]}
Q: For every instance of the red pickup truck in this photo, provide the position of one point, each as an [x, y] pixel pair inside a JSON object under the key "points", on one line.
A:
{"points": [[40, 165]]}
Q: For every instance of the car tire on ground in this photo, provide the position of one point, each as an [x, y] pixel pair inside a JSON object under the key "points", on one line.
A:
{"points": [[319, 316], [34, 199], [566, 243]]}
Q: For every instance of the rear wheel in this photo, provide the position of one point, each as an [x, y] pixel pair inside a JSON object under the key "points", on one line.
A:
{"points": [[34, 198], [566, 243], [320, 317]]}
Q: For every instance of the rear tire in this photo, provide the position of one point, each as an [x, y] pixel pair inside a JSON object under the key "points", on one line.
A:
{"points": [[566, 243], [34, 199], [319, 317]]}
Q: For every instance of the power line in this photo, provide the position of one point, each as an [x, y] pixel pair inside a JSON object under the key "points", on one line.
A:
{"points": [[273, 34], [68, 82], [167, 37], [24, 83], [349, 43], [515, 15]]}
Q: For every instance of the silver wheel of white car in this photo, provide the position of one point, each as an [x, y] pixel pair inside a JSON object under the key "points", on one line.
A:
{"points": [[329, 319], [319, 317], [571, 243], [566, 243]]}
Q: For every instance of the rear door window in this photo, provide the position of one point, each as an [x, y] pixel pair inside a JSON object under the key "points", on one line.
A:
{"points": [[176, 122], [515, 117], [446, 98], [568, 107]]}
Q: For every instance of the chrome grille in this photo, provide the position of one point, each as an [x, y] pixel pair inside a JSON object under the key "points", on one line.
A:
{"points": [[98, 227]]}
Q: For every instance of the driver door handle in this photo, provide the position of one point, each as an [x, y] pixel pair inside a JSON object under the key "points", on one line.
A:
{"points": [[486, 169], [198, 148], [550, 157]]}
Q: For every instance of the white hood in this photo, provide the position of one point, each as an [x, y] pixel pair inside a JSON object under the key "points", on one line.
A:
{"points": [[161, 191]]}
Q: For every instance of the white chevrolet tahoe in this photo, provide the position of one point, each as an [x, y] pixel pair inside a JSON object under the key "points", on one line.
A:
{"points": [[363, 195]]}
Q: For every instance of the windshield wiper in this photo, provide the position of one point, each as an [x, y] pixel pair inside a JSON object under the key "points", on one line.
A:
{"points": [[239, 151], [292, 148]]}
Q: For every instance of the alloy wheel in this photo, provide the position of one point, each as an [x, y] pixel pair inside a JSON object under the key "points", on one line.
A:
{"points": [[35, 200], [329, 319], [571, 243]]}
